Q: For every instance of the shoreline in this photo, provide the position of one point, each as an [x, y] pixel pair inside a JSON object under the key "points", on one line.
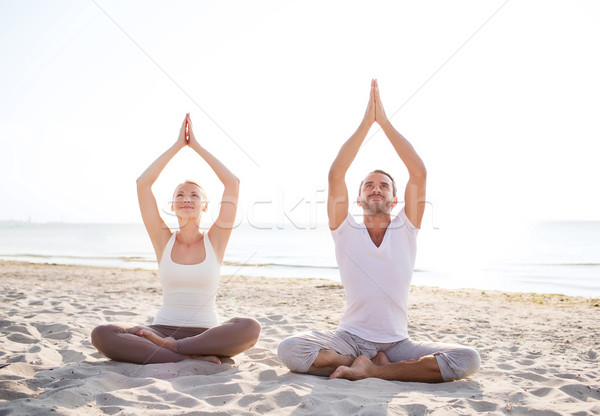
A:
{"points": [[539, 352], [419, 274]]}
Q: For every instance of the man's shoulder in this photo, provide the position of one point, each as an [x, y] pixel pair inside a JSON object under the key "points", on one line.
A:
{"points": [[349, 223]]}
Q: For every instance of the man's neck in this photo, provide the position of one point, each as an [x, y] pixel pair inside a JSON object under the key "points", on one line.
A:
{"points": [[377, 222], [377, 226]]}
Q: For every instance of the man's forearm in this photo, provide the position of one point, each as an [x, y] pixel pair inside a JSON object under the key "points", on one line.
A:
{"points": [[405, 150], [349, 150]]}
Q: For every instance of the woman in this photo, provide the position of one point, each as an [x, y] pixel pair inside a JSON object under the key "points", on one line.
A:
{"points": [[187, 325]]}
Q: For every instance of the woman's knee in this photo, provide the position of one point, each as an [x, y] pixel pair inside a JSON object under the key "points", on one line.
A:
{"points": [[250, 327], [105, 337], [100, 334]]}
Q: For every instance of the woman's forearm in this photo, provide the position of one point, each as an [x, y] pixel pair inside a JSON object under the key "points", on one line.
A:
{"points": [[226, 177], [153, 171]]}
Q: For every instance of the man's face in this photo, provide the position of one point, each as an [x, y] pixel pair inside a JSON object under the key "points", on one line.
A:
{"points": [[376, 194]]}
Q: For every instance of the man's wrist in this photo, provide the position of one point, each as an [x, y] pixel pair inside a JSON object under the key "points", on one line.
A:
{"points": [[385, 123], [366, 123]]}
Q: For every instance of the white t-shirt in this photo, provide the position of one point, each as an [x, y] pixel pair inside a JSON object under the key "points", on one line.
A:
{"points": [[376, 279]]}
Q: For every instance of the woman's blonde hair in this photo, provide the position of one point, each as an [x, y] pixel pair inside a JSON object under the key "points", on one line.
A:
{"points": [[193, 182]]}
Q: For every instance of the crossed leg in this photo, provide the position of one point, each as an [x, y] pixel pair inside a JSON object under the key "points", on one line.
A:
{"points": [[343, 355], [226, 340], [146, 345], [409, 360], [169, 343], [425, 369], [319, 352]]}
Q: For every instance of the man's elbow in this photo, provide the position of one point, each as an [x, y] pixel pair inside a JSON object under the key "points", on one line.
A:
{"points": [[335, 174], [419, 174], [140, 182]]}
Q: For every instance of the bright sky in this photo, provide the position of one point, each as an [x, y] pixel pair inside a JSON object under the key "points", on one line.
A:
{"points": [[499, 98]]}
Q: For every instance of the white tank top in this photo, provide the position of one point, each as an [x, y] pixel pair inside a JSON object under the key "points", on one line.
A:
{"points": [[189, 290], [376, 279]]}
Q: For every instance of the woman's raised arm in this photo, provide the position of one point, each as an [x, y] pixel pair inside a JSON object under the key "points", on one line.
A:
{"points": [[158, 231], [221, 230]]}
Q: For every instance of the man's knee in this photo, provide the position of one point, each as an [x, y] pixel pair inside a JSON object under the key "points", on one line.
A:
{"points": [[472, 362], [288, 352], [461, 363]]}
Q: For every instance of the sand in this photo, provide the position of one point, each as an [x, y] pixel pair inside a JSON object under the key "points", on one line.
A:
{"points": [[539, 352]]}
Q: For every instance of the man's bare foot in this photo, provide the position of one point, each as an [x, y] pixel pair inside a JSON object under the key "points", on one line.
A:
{"points": [[161, 342], [380, 359], [359, 369], [327, 361], [209, 358]]}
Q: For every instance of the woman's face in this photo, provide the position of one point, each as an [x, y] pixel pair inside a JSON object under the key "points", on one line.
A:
{"points": [[188, 201]]}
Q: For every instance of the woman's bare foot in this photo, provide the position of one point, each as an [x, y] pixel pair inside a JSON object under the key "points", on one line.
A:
{"points": [[161, 342], [380, 359], [359, 369], [169, 343], [209, 358]]}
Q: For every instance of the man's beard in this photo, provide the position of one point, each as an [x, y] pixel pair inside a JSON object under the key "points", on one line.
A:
{"points": [[385, 207]]}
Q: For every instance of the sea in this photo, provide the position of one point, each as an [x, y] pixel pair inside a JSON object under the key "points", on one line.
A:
{"points": [[553, 257]]}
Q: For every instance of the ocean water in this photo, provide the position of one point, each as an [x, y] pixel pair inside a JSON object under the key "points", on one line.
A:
{"points": [[559, 257]]}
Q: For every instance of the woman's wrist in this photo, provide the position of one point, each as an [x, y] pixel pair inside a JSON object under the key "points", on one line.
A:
{"points": [[178, 145], [195, 145], [366, 123]]}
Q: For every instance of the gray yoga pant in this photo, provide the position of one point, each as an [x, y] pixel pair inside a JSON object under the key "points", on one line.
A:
{"points": [[119, 342], [298, 352]]}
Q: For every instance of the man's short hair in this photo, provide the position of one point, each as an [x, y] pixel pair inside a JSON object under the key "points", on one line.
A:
{"points": [[394, 189]]}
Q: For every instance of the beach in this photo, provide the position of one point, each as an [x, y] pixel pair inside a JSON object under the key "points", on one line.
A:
{"points": [[539, 352]]}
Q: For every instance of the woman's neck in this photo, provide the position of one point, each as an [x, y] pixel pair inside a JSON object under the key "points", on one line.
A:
{"points": [[189, 232]]}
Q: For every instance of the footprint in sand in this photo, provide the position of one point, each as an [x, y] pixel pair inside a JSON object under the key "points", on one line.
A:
{"points": [[543, 392], [70, 356], [267, 375], [54, 331], [113, 313], [23, 336], [482, 406], [581, 392]]}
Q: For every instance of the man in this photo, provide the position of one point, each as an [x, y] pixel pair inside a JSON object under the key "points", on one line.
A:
{"points": [[376, 261]]}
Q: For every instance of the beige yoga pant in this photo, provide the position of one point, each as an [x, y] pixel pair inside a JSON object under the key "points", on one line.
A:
{"points": [[298, 352]]}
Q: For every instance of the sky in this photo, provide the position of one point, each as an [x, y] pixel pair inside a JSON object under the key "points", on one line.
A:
{"points": [[499, 98]]}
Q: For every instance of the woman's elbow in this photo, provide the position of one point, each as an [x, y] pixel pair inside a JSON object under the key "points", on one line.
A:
{"points": [[233, 185], [235, 182]]}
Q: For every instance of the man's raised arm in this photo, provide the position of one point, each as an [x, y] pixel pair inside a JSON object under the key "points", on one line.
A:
{"points": [[337, 201], [414, 195]]}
